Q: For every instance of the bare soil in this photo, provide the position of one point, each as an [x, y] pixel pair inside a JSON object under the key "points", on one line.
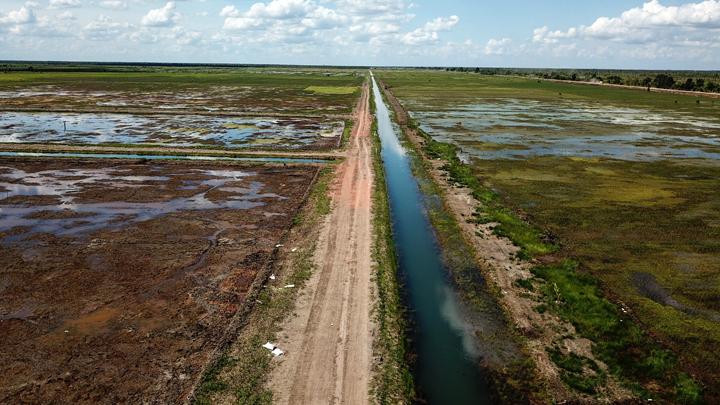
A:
{"points": [[142, 302], [328, 341]]}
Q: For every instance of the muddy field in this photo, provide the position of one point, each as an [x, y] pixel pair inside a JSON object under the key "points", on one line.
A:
{"points": [[128, 270], [169, 130], [230, 92]]}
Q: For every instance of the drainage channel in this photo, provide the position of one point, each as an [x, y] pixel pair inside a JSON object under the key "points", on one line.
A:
{"points": [[162, 157], [446, 367]]}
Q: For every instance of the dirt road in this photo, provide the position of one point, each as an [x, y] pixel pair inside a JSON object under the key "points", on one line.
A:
{"points": [[328, 341]]}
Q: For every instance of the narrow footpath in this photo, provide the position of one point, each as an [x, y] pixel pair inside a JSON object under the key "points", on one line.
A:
{"points": [[328, 340]]}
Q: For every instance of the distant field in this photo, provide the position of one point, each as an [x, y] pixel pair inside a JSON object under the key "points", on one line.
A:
{"points": [[231, 90], [625, 179]]}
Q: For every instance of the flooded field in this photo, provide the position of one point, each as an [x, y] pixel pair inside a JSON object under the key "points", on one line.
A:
{"points": [[190, 91], [123, 270], [515, 128], [169, 130], [628, 186]]}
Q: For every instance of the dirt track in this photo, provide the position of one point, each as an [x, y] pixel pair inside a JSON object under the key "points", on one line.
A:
{"points": [[328, 342]]}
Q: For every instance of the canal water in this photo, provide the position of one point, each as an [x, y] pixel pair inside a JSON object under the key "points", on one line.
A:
{"points": [[446, 368]]}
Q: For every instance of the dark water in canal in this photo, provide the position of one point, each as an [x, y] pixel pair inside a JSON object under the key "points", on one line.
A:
{"points": [[446, 369]]}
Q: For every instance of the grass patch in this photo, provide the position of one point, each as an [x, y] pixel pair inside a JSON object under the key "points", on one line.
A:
{"points": [[531, 241], [618, 341], [332, 89]]}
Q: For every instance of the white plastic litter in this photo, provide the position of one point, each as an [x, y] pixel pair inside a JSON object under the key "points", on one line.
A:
{"points": [[277, 352], [293, 249], [290, 286], [269, 346], [279, 245], [272, 277]]}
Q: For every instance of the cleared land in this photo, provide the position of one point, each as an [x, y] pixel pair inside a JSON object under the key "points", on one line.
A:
{"points": [[127, 280], [617, 184], [129, 271], [329, 340]]}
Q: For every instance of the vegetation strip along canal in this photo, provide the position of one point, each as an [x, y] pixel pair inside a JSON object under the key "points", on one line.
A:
{"points": [[447, 361]]}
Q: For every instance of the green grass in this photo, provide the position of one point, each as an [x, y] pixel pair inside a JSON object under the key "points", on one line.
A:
{"points": [[612, 219], [436, 90], [532, 241], [332, 89], [512, 376]]}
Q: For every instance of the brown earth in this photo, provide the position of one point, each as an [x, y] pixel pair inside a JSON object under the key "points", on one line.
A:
{"points": [[39, 147], [328, 342], [144, 303], [498, 256]]}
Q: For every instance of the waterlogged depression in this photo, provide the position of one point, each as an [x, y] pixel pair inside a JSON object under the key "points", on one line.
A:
{"points": [[168, 130], [510, 128], [66, 202], [127, 270]]}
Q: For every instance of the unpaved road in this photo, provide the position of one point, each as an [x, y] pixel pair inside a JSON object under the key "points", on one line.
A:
{"points": [[328, 341]]}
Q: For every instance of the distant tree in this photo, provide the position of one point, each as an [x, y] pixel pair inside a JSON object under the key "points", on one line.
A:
{"points": [[663, 81], [477, 70], [614, 79], [700, 84], [712, 87], [689, 85], [646, 82], [573, 77]]}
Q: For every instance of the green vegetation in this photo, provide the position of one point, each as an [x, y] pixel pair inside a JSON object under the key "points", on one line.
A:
{"points": [[286, 91], [532, 242], [241, 371], [440, 91], [332, 89], [647, 232], [707, 81], [512, 374], [393, 382]]}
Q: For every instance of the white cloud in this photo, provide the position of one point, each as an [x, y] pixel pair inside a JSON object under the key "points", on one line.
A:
{"points": [[651, 23], [65, 3], [114, 4], [497, 46], [23, 15], [429, 32], [161, 17]]}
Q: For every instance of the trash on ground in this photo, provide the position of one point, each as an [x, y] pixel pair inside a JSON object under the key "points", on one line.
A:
{"points": [[273, 349], [269, 346], [290, 286], [272, 277]]}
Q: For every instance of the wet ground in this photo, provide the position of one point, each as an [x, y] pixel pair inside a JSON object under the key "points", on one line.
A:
{"points": [[169, 130], [516, 129], [128, 270], [110, 95]]}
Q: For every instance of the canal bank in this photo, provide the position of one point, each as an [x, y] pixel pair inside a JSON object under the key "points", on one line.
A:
{"points": [[458, 333]]}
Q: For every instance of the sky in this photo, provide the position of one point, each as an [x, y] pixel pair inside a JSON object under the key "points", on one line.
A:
{"points": [[621, 34]]}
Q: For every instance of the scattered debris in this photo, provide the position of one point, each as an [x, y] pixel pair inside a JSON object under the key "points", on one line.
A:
{"points": [[272, 277], [279, 245], [290, 286], [293, 249], [273, 349]]}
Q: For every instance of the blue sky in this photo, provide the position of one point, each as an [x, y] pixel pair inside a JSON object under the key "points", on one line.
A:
{"points": [[650, 34]]}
